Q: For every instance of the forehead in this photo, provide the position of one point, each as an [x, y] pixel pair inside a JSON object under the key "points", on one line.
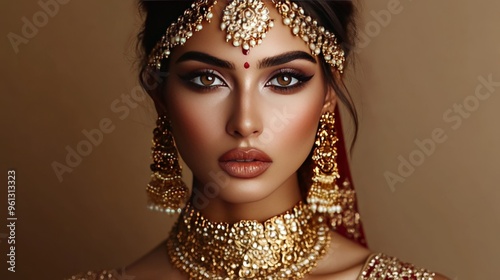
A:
{"points": [[212, 39]]}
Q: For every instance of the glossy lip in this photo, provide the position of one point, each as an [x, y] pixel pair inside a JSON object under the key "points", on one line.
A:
{"points": [[245, 163]]}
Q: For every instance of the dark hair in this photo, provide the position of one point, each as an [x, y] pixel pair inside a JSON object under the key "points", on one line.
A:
{"points": [[336, 16]]}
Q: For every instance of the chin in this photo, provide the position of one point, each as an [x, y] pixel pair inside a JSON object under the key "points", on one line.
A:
{"points": [[248, 191], [270, 189]]}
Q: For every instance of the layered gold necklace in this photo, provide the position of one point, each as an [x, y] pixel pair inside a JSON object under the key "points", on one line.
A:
{"points": [[286, 246]]}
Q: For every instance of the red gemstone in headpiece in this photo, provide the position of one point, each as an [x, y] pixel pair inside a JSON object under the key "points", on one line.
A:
{"points": [[245, 52]]}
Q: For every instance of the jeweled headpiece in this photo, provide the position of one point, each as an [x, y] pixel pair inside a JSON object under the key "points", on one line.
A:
{"points": [[246, 23]]}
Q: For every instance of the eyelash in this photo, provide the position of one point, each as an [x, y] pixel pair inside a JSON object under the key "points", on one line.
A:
{"points": [[294, 74], [188, 79]]}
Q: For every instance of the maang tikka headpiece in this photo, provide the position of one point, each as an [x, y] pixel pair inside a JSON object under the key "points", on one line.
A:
{"points": [[246, 23]]}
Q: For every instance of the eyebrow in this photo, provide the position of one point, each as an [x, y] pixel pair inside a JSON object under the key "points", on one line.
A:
{"points": [[264, 63], [205, 58], [285, 58]]}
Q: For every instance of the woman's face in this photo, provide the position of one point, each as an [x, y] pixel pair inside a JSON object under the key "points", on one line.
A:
{"points": [[243, 123]]}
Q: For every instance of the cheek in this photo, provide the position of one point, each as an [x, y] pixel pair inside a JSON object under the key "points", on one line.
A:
{"points": [[300, 133], [307, 125], [196, 121], [191, 123], [294, 126]]}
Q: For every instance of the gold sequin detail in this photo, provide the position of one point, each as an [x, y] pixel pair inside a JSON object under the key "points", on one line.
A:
{"points": [[377, 267], [287, 246], [98, 275], [380, 266]]}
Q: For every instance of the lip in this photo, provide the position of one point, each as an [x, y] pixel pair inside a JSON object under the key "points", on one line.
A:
{"points": [[245, 163]]}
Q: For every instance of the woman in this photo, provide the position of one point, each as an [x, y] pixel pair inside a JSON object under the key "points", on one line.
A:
{"points": [[246, 91]]}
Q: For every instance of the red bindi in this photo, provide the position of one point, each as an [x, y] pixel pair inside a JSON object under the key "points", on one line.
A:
{"points": [[246, 65]]}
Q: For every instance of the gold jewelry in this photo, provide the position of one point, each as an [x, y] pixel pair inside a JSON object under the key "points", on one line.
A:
{"points": [[381, 266], [324, 194], [319, 40], [179, 32], [246, 23], [166, 190], [349, 218], [287, 246]]}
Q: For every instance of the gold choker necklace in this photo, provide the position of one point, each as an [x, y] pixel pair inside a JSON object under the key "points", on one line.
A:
{"points": [[286, 246]]}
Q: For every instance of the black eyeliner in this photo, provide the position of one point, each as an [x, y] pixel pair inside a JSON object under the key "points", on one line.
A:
{"points": [[300, 76], [186, 79]]}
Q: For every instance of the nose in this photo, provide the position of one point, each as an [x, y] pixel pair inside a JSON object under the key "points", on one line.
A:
{"points": [[245, 119]]}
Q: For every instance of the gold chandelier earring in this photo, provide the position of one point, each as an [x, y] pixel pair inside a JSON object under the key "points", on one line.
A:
{"points": [[166, 190], [324, 195]]}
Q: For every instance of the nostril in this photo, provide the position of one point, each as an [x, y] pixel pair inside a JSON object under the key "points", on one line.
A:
{"points": [[245, 119]]}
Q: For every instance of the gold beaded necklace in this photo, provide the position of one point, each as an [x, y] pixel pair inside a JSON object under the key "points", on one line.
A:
{"points": [[287, 246]]}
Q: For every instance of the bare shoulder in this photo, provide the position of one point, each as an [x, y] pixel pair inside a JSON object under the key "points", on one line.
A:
{"points": [[343, 260], [346, 260], [154, 266]]}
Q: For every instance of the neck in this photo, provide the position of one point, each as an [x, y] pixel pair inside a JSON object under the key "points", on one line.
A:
{"points": [[218, 209], [285, 246]]}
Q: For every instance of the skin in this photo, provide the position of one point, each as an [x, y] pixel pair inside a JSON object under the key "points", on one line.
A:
{"points": [[236, 107], [242, 112]]}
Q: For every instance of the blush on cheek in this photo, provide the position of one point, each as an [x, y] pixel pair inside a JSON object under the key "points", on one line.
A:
{"points": [[299, 132], [305, 126], [307, 117], [196, 127], [186, 115], [185, 124]]}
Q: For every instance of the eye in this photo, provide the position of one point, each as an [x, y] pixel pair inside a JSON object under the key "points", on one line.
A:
{"points": [[283, 80], [288, 79], [207, 80]]}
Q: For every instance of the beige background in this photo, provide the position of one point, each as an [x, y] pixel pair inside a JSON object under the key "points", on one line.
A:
{"points": [[411, 69]]}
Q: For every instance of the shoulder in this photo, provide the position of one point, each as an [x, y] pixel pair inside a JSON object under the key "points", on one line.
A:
{"points": [[97, 275], [347, 260], [343, 260], [152, 266], [155, 265], [380, 265]]}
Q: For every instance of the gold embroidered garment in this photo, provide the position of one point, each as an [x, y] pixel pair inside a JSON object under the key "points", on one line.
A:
{"points": [[380, 266], [377, 267]]}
